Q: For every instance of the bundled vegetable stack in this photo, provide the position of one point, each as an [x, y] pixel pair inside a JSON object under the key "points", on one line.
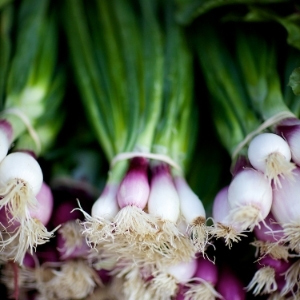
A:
{"points": [[135, 77], [137, 230], [260, 132], [31, 86]]}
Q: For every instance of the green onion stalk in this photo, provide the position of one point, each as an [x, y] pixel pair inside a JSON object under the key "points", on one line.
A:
{"points": [[134, 74], [234, 119], [121, 91], [31, 92]]}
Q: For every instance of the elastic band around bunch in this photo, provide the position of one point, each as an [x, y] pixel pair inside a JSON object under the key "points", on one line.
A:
{"points": [[19, 113], [161, 157], [270, 122]]}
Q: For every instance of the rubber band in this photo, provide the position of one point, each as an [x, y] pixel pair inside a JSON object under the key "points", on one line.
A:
{"points": [[271, 121], [129, 155], [19, 113]]}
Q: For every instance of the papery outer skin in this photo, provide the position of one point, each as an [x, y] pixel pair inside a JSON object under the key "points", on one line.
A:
{"points": [[163, 199], [207, 270], [279, 265], [6, 133], [263, 233], [63, 213], [220, 209], [289, 129], [44, 208], [250, 187], [191, 206], [134, 188], [19, 165], [230, 286], [263, 145], [286, 204], [79, 251], [106, 206], [183, 271]]}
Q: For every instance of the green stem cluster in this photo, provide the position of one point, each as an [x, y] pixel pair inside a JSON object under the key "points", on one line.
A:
{"points": [[134, 74], [29, 80]]}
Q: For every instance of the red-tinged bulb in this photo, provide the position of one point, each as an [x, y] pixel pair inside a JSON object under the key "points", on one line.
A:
{"points": [[207, 271], [134, 189], [269, 230], [44, 208], [286, 205], [289, 129], [229, 285]]}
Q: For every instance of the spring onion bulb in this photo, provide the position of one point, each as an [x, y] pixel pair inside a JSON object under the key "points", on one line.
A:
{"points": [[165, 284], [277, 295], [135, 285], [97, 227], [70, 242], [164, 205], [264, 280], [249, 198], [44, 208], [268, 235], [193, 213], [5, 137], [289, 129], [292, 283], [21, 179], [163, 200], [58, 282], [64, 212], [271, 154], [229, 285], [132, 221], [27, 203], [106, 206], [99, 258], [286, 210], [202, 284], [222, 227]]}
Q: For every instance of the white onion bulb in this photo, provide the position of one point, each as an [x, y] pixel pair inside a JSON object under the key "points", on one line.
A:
{"points": [[23, 166]]}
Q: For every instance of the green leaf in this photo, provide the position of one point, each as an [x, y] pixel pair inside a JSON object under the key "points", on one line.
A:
{"points": [[291, 22], [294, 81], [3, 3], [188, 10], [30, 18], [6, 20]]}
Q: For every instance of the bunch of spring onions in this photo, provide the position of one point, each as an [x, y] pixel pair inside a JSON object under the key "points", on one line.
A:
{"points": [[134, 73], [31, 92], [59, 269], [259, 131]]}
